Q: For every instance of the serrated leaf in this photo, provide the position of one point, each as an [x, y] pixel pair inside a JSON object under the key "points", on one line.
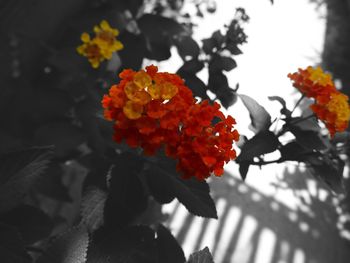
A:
{"points": [[193, 194], [262, 143], [12, 246], [18, 172], [70, 247], [32, 223], [127, 198], [202, 256], [92, 207], [169, 249], [261, 119], [130, 245]]}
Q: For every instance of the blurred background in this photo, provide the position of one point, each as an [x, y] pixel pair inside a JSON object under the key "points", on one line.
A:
{"points": [[49, 95]]}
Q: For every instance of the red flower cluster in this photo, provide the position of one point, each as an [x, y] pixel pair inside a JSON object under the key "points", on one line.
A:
{"points": [[153, 109], [331, 106]]}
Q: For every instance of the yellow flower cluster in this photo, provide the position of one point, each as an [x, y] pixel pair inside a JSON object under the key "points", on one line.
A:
{"points": [[102, 46]]}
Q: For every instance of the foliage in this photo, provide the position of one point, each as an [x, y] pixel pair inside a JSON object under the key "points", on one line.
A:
{"points": [[57, 146]]}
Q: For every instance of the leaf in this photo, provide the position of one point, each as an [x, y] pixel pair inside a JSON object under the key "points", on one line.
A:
{"points": [[127, 198], [243, 169], [331, 172], [220, 63], [134, 244], [293, 151], [51, 185], [63, 135], [70, 247], [191, 66], [227, 97], [32, 223], [92, 207], [12, 246], [68, 60], [262, 143], [196, 85], [300, 123], [18, 172], [202, 256], [158, 187], [169, 249], [279, 99], [217, 81], [208, 45], [261, 119], [187, 46], [309, 139], [193, 194]]}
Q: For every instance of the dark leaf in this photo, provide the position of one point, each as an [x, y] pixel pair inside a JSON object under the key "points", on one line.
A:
{"points": [[187, 46], [92, 206], [218, 37], [233, 48], [130, 245], [169, 249], [191, 66], [243, 169], [68, 60], [202, 256], [63, 135], [18, 172], [32, 223], [158, 50], [309, 139], [262, 143], [127, 198], [195, 84], [158, 186], [217, 81], [71, 247], [193, 194], [12, 246], [222, 63], [51, 185], [293, 151], [227, 97], [208, 45], [261, 119], [310, 124]]}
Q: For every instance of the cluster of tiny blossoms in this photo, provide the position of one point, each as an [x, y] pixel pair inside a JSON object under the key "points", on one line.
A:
{"points": [[153, 109], [330, 106], [102, 46]]}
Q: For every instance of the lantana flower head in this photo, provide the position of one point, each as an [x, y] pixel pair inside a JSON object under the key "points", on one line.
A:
{"points": [[154, 109], [330, 105], [102, 46]]}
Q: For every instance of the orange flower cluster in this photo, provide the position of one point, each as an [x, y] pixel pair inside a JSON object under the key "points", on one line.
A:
{"points": [[102, 46], [331, 106], [153, 109]]}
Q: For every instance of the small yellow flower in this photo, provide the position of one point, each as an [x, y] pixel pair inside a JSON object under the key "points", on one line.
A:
{"points": [[318, 76], [102, 46]]}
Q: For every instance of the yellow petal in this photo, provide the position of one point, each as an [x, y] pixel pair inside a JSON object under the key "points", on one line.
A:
{"points": [[154, 91], [142, 79], [141, 97], [132, 110], [104, 25], [85, 37], [168, 90], [130, 90]]}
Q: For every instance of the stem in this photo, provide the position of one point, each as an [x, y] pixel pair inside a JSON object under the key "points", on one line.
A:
{"points": [[266, 162], [284, 129], [298, 102]]}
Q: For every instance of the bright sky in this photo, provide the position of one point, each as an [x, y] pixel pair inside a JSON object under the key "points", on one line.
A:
{"points": [[281, 38]]}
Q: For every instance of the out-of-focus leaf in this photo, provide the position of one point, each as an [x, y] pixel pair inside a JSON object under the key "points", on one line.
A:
{"points": [[195, 84], [202, 256], [208, 45], [18, 172], [187, 46], [233, 48], [261, 119], [71, 247], [310, 139], [193, 194], [243, 169], [92, 207], [63, 135], [218, 37], [127, 198], [263, 142], [12, 246], [191, 66], [129, 245], [32, 223], [134, 50], [222, 63], [332, 174], [68, 60], [169, 249], [51, 185]]}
